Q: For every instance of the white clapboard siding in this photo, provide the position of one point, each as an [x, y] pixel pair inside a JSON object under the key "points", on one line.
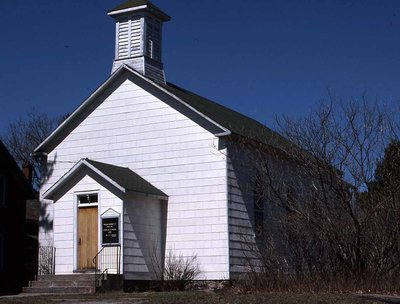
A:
{"points": [[241, 176], [142, 237], [240, 207], [132, 128]]}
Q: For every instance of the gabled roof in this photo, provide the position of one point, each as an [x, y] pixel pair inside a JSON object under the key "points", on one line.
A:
{"points": [[219, 120], [124, 179], [235, 122]]}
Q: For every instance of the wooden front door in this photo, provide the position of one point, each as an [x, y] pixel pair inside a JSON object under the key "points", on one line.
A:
{"points": [[87, 237]]}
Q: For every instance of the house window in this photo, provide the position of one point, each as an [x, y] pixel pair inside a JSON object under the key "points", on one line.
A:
{"points": [[2, 191], [89, 199], [258, 206]]}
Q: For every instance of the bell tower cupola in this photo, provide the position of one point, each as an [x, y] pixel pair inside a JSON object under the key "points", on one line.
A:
{"points": [[138, 41]]}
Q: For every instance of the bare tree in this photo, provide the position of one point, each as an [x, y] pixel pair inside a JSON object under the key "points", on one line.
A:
{"points": [[24, 135], [329, 225]]}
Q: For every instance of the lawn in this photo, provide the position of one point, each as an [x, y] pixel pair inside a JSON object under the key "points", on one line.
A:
{"points": [[192, 297]]}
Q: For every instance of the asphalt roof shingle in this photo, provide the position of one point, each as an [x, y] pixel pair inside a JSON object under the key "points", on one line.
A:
{"points": [[126, 178], [234, 121], [222, 116]]}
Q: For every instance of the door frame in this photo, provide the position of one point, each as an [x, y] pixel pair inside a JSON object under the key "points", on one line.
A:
{"points": [[75, 223]]}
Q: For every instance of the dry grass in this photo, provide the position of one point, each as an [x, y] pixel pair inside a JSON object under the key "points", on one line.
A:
{"points": [[198, 297]]}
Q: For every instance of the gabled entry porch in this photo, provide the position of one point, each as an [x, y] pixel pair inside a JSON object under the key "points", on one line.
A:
{"points": [[107, 221]]}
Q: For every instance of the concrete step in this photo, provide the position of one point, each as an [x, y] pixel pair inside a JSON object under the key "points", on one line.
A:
{"points": [[74, 283], [67, 277], [61, 290], [64, 283]]}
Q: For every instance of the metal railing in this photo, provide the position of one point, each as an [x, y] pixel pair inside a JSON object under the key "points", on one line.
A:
{"points": [[107, 261], [47, 260]]}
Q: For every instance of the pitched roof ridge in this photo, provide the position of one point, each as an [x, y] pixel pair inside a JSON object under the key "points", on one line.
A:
{"points": [[107, 164]]}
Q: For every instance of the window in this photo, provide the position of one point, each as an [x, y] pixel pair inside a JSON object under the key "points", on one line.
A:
{"points": [[88, 199], [2, 190]]}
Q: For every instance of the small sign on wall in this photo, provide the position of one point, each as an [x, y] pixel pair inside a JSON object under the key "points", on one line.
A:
{"points": [[110, 227], [110, 230]]}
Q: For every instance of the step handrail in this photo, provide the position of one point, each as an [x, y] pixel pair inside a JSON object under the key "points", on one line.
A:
{"points": [[96, 256], [102, 266], [100, 276], [97, 267]]}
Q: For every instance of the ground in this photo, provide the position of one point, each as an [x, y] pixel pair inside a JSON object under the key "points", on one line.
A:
{"points": [[201, 297]]}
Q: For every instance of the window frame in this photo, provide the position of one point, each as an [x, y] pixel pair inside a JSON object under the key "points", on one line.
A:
{"points": [[88, 194]]}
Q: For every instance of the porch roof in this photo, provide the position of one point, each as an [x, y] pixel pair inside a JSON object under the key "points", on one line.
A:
{"points": [[122, 178]]}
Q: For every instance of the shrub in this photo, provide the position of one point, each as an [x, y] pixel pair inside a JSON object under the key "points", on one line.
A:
{"points": [[175, 272]]}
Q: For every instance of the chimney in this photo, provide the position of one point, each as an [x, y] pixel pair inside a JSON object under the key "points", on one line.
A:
{"points": [[138, 41], [27, 169]]}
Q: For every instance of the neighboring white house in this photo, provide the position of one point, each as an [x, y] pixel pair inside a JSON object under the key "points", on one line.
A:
{"points": [[148, 166]]}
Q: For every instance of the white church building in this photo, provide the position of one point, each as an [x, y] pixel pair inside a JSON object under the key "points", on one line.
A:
{"points": [[144, 167]]}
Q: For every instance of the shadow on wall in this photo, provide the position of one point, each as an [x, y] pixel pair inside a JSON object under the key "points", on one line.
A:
{"points": [[144, 237], [45, 222], [47, 169]]}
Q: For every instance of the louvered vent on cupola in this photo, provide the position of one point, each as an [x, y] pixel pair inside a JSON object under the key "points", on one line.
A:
{"points": [[139, 37]]}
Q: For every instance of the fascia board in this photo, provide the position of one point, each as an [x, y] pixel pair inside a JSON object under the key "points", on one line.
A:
{"points": [[123, 67], [79, 109], [133, 193], [225, 130], [49, 193], [152, 9], [127, 10], [106, 177]]}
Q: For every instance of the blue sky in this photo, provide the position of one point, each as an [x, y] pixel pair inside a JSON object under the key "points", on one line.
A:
{"points": [[260, 57]]}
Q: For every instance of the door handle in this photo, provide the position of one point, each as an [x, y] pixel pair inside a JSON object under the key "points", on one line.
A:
{"points": [[80, 241]]}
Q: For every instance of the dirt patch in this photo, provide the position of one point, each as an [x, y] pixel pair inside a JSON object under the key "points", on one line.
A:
{"points": [[195, 297], [102, 301]]}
